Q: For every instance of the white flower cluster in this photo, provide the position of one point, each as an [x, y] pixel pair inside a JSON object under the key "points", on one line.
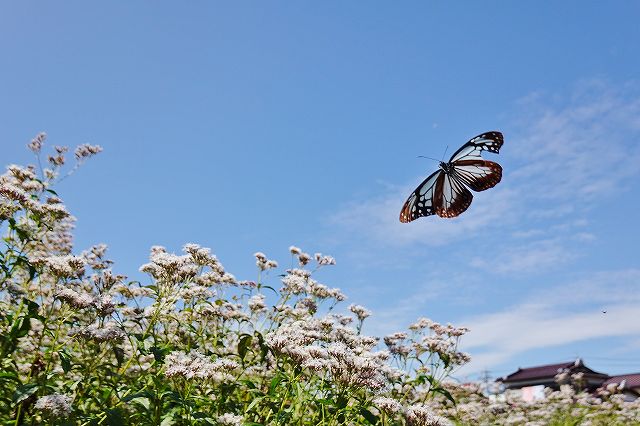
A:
{"points": [[431, 338], [198, 266], [85, 151], [324, 346], [225, 311], [56, 405], [104, 304], [421, 415], [360, 311], [263, 263], [66, 266], [257, 303], [299, 281], [95, 257], [324, 260], [36, 143], [303, 258], [195, 365], [229, 419], [109, 332]]}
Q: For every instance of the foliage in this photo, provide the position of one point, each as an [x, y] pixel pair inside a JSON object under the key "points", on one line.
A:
{"points": [[80, 344]]}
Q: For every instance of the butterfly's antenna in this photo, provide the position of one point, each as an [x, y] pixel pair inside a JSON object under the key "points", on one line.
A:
{"points": [[445, 152], [430, 158]]}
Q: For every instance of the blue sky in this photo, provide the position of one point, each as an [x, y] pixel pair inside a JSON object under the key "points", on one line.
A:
{"points": [[248, 126]]}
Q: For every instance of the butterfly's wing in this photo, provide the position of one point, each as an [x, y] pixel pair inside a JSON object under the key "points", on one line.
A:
{"points": [[421, 201], [471, 169], [489, 141], [477, 174], [451, 197], [440, 194]]}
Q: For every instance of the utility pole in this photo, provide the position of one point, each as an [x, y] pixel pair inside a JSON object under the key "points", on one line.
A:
{"points": [[485, 380]]}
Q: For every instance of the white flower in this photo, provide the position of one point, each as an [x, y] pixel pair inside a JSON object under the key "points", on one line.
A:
{"points": [[229, 419], [256, 303], [295, 250], [199, 366], [360, 311], [389, 405], [56, 404], [324, 260], [263, 263], [63, 266], [421, 415], [85, 151], [36, 143], [109, 332]]}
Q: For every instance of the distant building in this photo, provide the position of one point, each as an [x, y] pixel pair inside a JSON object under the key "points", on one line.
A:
{"points": [[532, 380], [628, 383]]}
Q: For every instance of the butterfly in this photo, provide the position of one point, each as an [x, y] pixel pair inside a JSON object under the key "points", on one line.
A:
{"points": [[445, 191]]}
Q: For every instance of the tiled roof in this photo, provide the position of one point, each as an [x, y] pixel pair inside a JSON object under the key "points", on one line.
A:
{"points": [[632, 380], [537, 372]]}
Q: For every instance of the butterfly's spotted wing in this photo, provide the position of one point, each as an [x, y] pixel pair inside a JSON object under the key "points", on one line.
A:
{"points": [[445, 194], [471, 169], [490, 141], [421, 201], [440, 194]]}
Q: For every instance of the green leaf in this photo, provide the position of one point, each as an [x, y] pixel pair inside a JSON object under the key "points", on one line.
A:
{"points": [[446, 359], [341, 402], [245, 341], [115, 417], [65, 360], [9, 377], [204, 418], [140, 400], [271, 288], [255, 402], [167, 421], [32, 271], [159, 353], [264, 349], [275, 382], [369, 416], [119, 353], [446, 394], [23, 392], [32, 308]]}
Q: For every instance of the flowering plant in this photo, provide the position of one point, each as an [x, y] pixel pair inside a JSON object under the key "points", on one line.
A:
{"points": [[81, 344]]}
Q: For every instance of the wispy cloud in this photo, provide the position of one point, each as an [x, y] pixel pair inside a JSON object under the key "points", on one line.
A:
{"points": [[377, 220], [558, 316], [559, 158], [537, 255]]}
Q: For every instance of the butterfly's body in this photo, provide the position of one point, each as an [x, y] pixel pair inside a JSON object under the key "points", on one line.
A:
{"points": [[446, 167], [445, 191]]}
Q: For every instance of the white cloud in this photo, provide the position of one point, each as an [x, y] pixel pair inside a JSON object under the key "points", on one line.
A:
{"points": [[579, 151], [377, 219], [535, 256], [558, 316]]}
